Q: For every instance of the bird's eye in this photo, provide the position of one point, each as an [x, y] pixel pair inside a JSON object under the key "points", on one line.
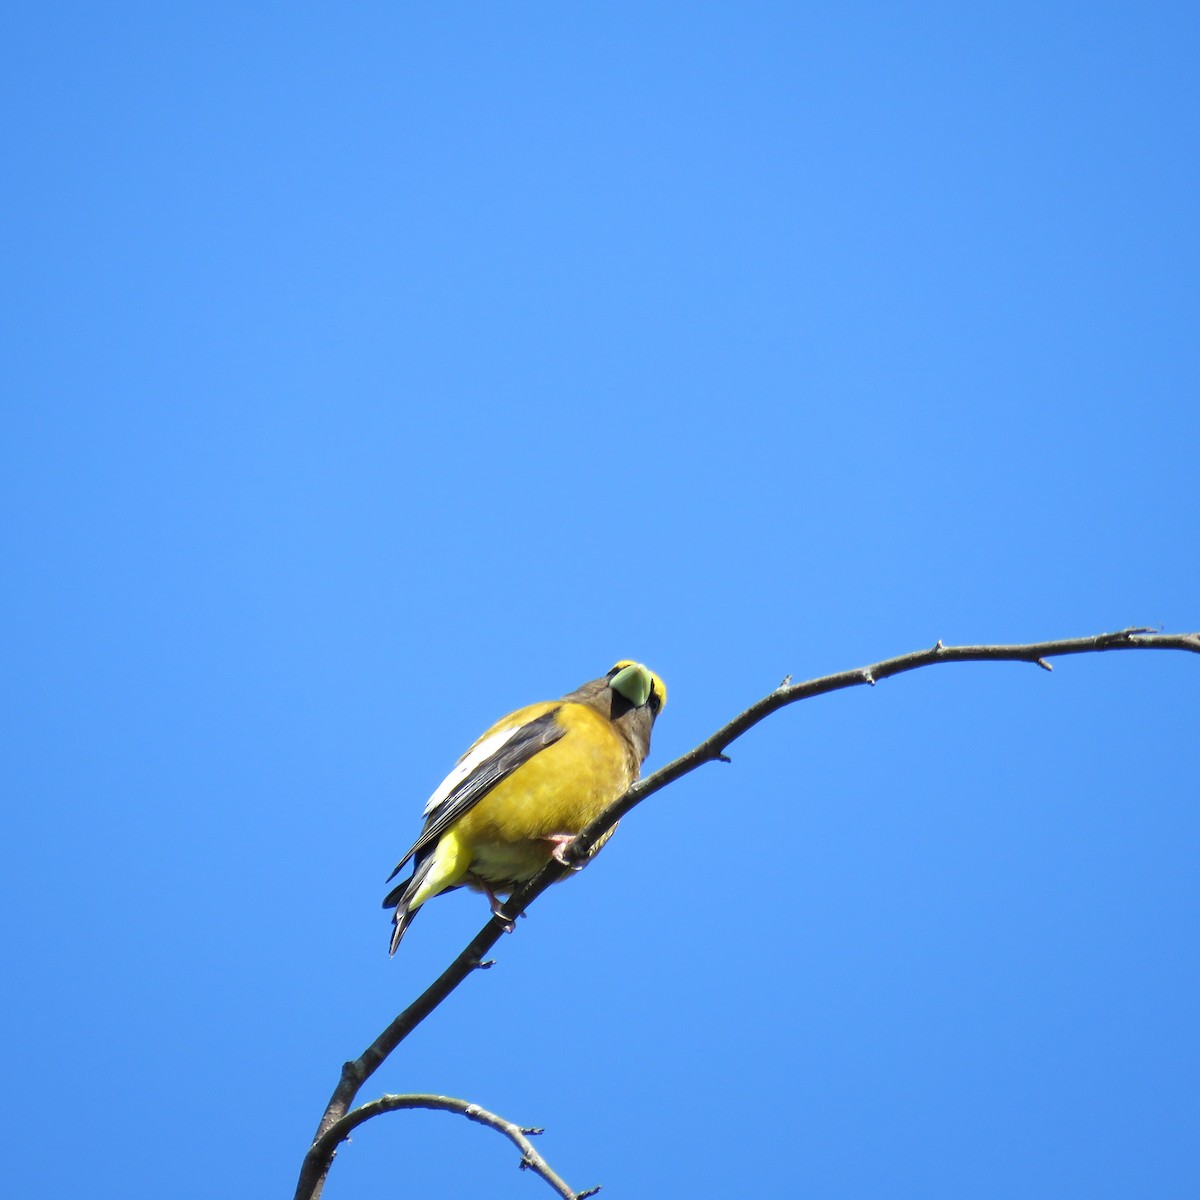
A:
{"points": [[654, 701]]}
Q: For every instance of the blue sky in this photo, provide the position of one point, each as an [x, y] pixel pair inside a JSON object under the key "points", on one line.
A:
{"points": [[372, 371]]}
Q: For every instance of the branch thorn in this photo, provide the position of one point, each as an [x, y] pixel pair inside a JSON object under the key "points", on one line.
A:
{"points": [[723, 757], [784, 681], [938, 647], [868, 678], [589, 1192], [1041, 662], [532, 1130], [485, 964]]}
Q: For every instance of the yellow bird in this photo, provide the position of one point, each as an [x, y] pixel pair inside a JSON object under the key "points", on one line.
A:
{"points": [[523, 791]]}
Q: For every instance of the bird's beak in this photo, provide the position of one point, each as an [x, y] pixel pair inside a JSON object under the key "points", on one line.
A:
{"points": [[633, 682]]}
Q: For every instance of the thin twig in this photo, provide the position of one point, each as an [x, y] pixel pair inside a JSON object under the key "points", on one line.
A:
{"points": [[712, 749], [327, 1144]]}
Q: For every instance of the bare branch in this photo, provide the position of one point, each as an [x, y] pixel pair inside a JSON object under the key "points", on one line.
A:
{"points": [[326, 1145], [712, 749]]}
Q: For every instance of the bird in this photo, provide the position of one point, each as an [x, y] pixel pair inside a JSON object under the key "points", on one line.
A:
{"points": [[525, 788]]}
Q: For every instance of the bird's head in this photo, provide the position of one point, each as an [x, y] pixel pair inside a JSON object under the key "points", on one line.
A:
{"points": [[630, 696]]}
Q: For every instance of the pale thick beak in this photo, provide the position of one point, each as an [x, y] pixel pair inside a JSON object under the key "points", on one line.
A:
{"points": [[632, 682]]}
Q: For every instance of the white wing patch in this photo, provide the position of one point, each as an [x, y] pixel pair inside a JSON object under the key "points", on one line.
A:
{"points": [[467, 764]]}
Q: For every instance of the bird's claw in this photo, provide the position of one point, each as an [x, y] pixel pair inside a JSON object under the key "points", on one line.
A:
{"points": [[561, 843]]}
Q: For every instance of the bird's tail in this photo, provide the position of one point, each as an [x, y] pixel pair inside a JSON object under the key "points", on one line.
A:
{"points": [[401, 899]]}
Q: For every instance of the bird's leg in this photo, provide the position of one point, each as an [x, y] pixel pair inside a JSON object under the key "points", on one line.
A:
{"points": [[561, 843], [494, 900]]}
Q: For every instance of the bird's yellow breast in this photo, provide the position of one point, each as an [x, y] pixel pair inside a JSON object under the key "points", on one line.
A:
{"points": [[558, 791]]}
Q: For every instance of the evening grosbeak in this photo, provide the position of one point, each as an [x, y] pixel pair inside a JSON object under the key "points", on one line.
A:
{"points": [[523, 791]]}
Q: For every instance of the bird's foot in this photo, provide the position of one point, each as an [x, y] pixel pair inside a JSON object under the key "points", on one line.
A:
{"points": [[494, 901], [561, 843]]}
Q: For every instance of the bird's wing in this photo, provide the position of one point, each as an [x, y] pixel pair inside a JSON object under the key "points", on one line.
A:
{"points": [[490, 761]]}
